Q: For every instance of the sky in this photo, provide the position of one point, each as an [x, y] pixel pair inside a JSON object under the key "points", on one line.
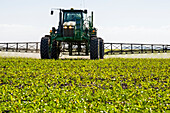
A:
{"points": [[117, 21]]}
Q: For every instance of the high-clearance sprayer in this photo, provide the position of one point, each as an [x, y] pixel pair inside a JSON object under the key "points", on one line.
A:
{"points": [[75, 34]]}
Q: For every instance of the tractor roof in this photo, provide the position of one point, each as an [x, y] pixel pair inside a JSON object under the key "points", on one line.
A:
{"points": [[72, 10]]}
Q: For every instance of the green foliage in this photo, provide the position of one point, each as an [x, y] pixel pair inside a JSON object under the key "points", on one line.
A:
{"points": [[109, 85]]}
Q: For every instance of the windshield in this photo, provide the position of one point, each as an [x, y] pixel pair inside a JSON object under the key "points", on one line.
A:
{"points": [[72, 16]]}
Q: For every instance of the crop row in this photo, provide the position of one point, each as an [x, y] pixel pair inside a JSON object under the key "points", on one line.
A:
{"points": [[109, 85]]}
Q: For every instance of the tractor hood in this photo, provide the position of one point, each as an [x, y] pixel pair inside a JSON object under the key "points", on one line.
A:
{"points": [[70, 23]]}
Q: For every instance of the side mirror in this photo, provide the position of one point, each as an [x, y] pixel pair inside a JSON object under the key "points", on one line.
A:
{"points": [[52, 12], [85, 11]]}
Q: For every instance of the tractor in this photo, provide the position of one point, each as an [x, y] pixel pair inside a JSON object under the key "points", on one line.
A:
{"points": [[75, 35]]}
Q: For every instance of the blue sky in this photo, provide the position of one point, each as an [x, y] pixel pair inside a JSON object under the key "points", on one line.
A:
{"points": [[133, 21]]}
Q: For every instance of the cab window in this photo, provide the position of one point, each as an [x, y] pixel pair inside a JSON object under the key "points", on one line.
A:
{"points": [[72, 16]]}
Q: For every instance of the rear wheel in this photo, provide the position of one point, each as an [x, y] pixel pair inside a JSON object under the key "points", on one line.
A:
{"points": [[101, 48], [94, 48], [87, 48], [70, 48], [44, 48], [55, 51]]}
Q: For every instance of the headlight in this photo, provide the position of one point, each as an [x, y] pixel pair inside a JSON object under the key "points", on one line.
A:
{"points": [[65, 27], [70, 27]]}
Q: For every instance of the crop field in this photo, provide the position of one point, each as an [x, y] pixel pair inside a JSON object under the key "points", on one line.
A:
{"points": [[85, 86]]}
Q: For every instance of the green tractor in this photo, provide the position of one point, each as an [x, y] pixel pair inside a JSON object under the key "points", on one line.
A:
{"points": [[75, 35]]}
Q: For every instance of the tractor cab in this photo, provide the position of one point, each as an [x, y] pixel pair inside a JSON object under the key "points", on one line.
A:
{"points": [[72, 23]]}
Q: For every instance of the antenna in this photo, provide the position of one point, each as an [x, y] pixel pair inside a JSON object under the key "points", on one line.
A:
{"points": [[82, 3]]}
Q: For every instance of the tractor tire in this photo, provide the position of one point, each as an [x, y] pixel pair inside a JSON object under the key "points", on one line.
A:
{"points": [[87, 49], [94, 48], [44, 48], [55, 51], [101, 48]]}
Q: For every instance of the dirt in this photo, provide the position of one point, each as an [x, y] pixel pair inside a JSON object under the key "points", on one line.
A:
{"points": [[37, 55]]}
